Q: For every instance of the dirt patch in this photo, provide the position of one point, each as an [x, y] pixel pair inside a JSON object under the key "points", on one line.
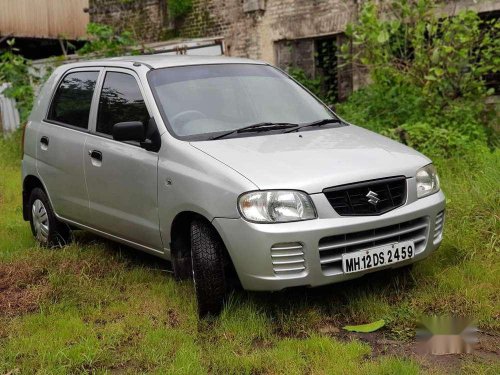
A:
{"points": [[486, 350], [409, 349], [173, 318], [22, 287]]}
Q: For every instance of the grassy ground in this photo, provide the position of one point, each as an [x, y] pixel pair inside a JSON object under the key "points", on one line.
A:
{"points": [[96, 306]]}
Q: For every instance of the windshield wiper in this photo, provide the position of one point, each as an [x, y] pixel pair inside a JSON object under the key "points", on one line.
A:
{"points": [[260, 127], [316, 123]]}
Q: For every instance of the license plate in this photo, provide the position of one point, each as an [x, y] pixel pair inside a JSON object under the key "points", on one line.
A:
{"points": [[378, 256]]}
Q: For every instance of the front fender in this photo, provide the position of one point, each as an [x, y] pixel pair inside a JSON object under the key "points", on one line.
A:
{"points": [[191, 180]]}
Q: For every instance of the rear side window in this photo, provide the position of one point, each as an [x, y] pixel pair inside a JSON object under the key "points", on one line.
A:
{"points": [[120, 101], [71, 103]]}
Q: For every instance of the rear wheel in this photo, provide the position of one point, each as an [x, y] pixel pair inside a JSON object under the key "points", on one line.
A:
{"points": [[208, 268], [46, 229]]}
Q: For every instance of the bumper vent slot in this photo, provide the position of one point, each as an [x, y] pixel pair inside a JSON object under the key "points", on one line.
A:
{"points": [[288, 258], [373, 197], [438, 227], [332, 248]]}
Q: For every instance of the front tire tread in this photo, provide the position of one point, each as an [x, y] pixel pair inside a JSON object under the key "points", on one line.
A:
{"points": [[208, 268]]}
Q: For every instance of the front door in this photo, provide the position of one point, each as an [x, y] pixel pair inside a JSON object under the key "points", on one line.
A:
{"points": [[122, 176]]}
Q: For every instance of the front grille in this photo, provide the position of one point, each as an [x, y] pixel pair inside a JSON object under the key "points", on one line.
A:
{"points": [[373, 197], [438, 227], [332, 248], [288, 258]]}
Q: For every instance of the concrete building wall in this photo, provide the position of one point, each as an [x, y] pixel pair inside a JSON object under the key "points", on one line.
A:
{"points": [[251, 27]]}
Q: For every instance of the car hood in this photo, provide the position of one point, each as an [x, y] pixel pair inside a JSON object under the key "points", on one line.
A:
{"points": [[314, 160]]}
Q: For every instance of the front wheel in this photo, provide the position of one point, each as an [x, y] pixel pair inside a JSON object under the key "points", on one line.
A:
{"points": [[208, 268], [46, 229]]}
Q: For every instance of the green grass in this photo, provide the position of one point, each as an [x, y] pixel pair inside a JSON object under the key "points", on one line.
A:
{"points": [[98, 307]]}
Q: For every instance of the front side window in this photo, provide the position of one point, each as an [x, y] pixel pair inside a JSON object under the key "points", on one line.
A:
{"points": [[120, 101], [71, 103], [203, 100]]}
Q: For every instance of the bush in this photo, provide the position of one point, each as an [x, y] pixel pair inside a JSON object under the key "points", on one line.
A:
{"points": [[431, 140], [400, 112], [446, 57], [381, 106], [312, 84], [427, 75], [105, 41], [15, 70]]}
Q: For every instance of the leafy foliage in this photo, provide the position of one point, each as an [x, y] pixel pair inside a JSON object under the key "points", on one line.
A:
{"points": [[427, 75], [105, 41], [15, 70], [447, 57]]}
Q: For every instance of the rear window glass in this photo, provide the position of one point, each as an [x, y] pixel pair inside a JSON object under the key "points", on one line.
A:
{"points": [[71, 103]]}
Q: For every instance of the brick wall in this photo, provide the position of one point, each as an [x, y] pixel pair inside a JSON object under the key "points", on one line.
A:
{"points": [[253, 33], [145, 18]]}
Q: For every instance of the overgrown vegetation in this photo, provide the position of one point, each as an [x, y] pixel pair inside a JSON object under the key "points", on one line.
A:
{"points": [[179, 8], [427, 76], [428, 88], [315, 85], [105, 41], [15, 70]]}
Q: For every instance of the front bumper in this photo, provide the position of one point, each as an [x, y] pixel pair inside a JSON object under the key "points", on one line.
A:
{"points": [[250, 245]]}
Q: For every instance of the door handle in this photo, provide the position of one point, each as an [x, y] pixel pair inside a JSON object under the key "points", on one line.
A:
{"points": [[96, 155], [44, 143]]}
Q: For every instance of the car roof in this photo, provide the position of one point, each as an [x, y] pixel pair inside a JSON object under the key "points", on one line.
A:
{"points": [[163, 61]]}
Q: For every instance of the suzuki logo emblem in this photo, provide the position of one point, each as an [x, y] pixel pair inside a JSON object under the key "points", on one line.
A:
{"points": [[372, 197]]}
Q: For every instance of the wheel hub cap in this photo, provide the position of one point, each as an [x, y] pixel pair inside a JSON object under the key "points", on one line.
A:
{"points": [[40, 221]]}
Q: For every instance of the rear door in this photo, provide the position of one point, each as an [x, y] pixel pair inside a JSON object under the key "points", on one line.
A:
{"points": [[122, 176], [60, 143]]}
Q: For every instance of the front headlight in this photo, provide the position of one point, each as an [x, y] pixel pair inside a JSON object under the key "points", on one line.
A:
{"points": [[427, 181], [276, 206]]}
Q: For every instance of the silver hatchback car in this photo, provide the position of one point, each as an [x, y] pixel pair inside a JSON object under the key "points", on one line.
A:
{"points": [[226, 167]]}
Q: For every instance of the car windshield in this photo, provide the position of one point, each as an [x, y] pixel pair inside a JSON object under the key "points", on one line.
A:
{"points": [[202, 101]]}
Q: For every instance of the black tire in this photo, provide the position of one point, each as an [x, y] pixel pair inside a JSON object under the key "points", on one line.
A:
{"points": [[58, 233], [208, 268]]}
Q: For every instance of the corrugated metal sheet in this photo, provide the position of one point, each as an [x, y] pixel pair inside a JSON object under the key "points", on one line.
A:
{"points": [[9, 116], [44, 18]]}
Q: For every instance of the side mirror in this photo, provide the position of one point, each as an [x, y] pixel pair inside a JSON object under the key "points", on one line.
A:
{"points": [[153, 139], [129, 131]]}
